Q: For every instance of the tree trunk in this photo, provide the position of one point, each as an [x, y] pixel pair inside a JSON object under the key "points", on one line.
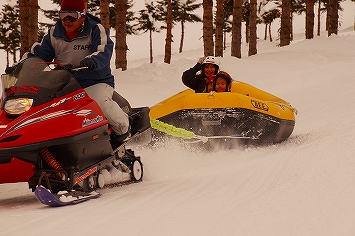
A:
{"points": [[291, 26], [253, 29], [182, 36], [121, 34], [169, 36], [285, 35], [219, 29], [333, 17], [208, 45], [270, 32], [151, 46], [309, 19], [265, 31], [236, 47], [29, 24], [318, 17], [105, 13]]}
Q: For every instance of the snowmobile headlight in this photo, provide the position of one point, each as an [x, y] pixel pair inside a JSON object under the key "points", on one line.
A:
{"points": [[18, 106]]}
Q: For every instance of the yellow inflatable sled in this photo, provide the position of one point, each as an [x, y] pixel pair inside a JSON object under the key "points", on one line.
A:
{"points": [[246, 113]]}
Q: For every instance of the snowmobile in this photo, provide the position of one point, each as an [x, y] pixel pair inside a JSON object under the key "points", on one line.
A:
{"points": [[56, 138]]}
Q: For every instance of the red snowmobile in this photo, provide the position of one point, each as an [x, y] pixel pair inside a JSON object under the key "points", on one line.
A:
{"points": [[56, 138]]}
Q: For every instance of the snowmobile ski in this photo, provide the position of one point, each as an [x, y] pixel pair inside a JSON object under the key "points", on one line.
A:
{"points": [[62, 199]]}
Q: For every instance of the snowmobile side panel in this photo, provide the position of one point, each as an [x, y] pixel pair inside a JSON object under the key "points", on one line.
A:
{"points": [[16, 171]]}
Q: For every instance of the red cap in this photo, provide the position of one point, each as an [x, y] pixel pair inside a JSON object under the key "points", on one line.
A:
{"points": [[72, 5]]}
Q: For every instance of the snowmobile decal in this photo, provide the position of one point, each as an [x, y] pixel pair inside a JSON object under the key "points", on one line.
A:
{"points": [[84, 112], [87, 122], [79, 96], [22, 89], [62, 101], [84, 176], [44, 117]]}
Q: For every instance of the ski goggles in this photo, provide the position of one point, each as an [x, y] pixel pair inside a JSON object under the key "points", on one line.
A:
{"points": [[71, 16]]}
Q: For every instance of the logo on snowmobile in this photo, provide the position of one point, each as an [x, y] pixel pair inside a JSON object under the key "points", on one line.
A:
{"points": [[259, 105], [64, 100], [85, 175], [78, 96], [22, 89], [97, 119]]}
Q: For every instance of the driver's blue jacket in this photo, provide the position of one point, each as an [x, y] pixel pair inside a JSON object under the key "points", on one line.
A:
{"points": [[92, 42]]}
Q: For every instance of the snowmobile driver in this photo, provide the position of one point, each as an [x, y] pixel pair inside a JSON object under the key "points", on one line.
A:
{"points": [[79, 39]]}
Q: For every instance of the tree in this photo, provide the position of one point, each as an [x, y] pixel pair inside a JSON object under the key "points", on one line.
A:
{"points": [[332, 17], [268, 18], [208, 44], [147, 18], [169, 36], [309, 19], [285, 32], [29, 24], [105, 14], [183, 13], [246, 18], [121, 35], [237, 29], [253, 29], [219, 29], [10, 31]]}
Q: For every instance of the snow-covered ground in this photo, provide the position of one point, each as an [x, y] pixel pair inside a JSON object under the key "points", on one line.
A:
{"points": [[303, 186]]}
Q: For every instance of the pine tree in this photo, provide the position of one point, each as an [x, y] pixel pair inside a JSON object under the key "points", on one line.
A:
{"points": [[253, 32], [10, 31], [208, 44], [285, 31], [147, 23], [183, 12], [121, 34], [219, 29], [237, 29], [169, 36]]}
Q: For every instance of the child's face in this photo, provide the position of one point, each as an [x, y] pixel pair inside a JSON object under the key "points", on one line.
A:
{"points": [[209, 70], [221, 85]]}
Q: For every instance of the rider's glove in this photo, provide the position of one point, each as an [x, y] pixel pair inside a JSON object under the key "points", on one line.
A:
{"points": [[9, 69], [201, 60], [89, 63]]}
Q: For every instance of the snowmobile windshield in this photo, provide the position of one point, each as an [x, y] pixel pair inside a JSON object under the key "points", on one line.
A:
{"points": [[34, 78]]}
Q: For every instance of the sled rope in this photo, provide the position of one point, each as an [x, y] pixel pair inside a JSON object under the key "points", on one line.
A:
{"points": [[185, 134], [171, 130]]}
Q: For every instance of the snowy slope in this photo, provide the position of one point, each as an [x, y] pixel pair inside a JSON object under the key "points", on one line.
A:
{"points": [[303, 186]]}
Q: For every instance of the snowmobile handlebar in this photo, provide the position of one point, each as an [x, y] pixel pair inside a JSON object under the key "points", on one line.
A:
{"points": [[69, 67]]}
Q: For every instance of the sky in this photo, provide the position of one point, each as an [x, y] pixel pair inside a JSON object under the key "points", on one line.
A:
{"points": [[302, 186]]}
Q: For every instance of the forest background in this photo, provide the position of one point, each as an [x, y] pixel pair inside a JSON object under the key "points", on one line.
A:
{"points": [[146, 26]]}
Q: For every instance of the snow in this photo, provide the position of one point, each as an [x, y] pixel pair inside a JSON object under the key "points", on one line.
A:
{"points": [[303, 186]]}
